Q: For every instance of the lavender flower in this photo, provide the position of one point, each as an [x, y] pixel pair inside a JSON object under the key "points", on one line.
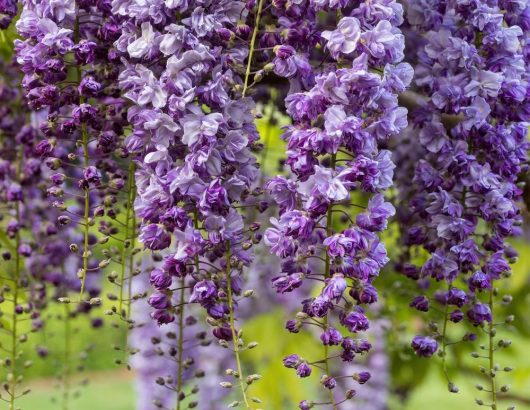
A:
{"points": [[342, 117]]}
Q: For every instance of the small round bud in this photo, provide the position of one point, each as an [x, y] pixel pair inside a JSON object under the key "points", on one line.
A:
{"points": [[104, 263], [452, 388]]}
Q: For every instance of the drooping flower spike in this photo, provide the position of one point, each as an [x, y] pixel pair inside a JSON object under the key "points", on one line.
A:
{"points": [[193, 132], [343, 103], [465, 153]]}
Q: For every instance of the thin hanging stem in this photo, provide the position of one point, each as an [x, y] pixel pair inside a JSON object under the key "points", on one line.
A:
{"points": [[491, 353], [180, 347], [329, 226], [128, 212], [66, 357], [14, 332], [128, 246], [235, 336], [133, 246], [181, 320], [251, 47], [444, 339], [86, 196]]}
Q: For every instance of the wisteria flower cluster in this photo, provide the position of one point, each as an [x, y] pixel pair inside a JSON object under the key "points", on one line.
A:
{"points": [[470, 137], [139, 182], [343, 116]]}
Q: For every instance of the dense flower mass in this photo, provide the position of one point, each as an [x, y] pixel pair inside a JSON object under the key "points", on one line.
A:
{"points": [[470, 145], [8, 10], [223, 162], [193, 132], [343, 114], [69, 77]]}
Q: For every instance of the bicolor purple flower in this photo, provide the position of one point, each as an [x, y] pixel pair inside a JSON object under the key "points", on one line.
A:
{"points": [[424, 346]]}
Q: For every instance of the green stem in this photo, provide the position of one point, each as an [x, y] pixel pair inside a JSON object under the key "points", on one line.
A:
{"points": [[235, 336], [266, 142], [444, 338], [181, 319], [66, 358], [86, 216], [329, 226], [252, 45], [130, 187], [85, 138], [16, 295], [14, 332], [180, 342], [128, 246], [132, 253], [491, 351]]}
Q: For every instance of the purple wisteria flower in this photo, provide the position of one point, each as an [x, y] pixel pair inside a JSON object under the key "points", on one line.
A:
{"points": [[193, 133], [343, 114], [464, 155]]}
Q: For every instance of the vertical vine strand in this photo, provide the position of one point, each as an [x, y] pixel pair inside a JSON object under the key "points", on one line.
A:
{"points": [[66, 358], [235, 333], [491, 352], [13, 378], [327, 268], [252, 47]]}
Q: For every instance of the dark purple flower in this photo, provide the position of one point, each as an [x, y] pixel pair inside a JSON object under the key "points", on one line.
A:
{"points": [[355, 322], [303, 370], [319, 307], [479, 281], [331, 337], [25, 250], [479, 313], [362, 377], [154, 237], [366, 295], [292, 361], [456, 316], [160, 279], [89, 87], [335, 287], [424, 346], [293, 326], [203, 291], [288, 283], [305, 405], [456, 297], [328, 382], [162, 317], [420, 303], [92, 175], [159, 301]]}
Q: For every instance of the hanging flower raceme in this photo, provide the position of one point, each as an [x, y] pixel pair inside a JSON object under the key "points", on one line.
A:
{"points": [[343, 103], [470, 146], [70, 71], [12, 199], [193, 131], [23, 294]]}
